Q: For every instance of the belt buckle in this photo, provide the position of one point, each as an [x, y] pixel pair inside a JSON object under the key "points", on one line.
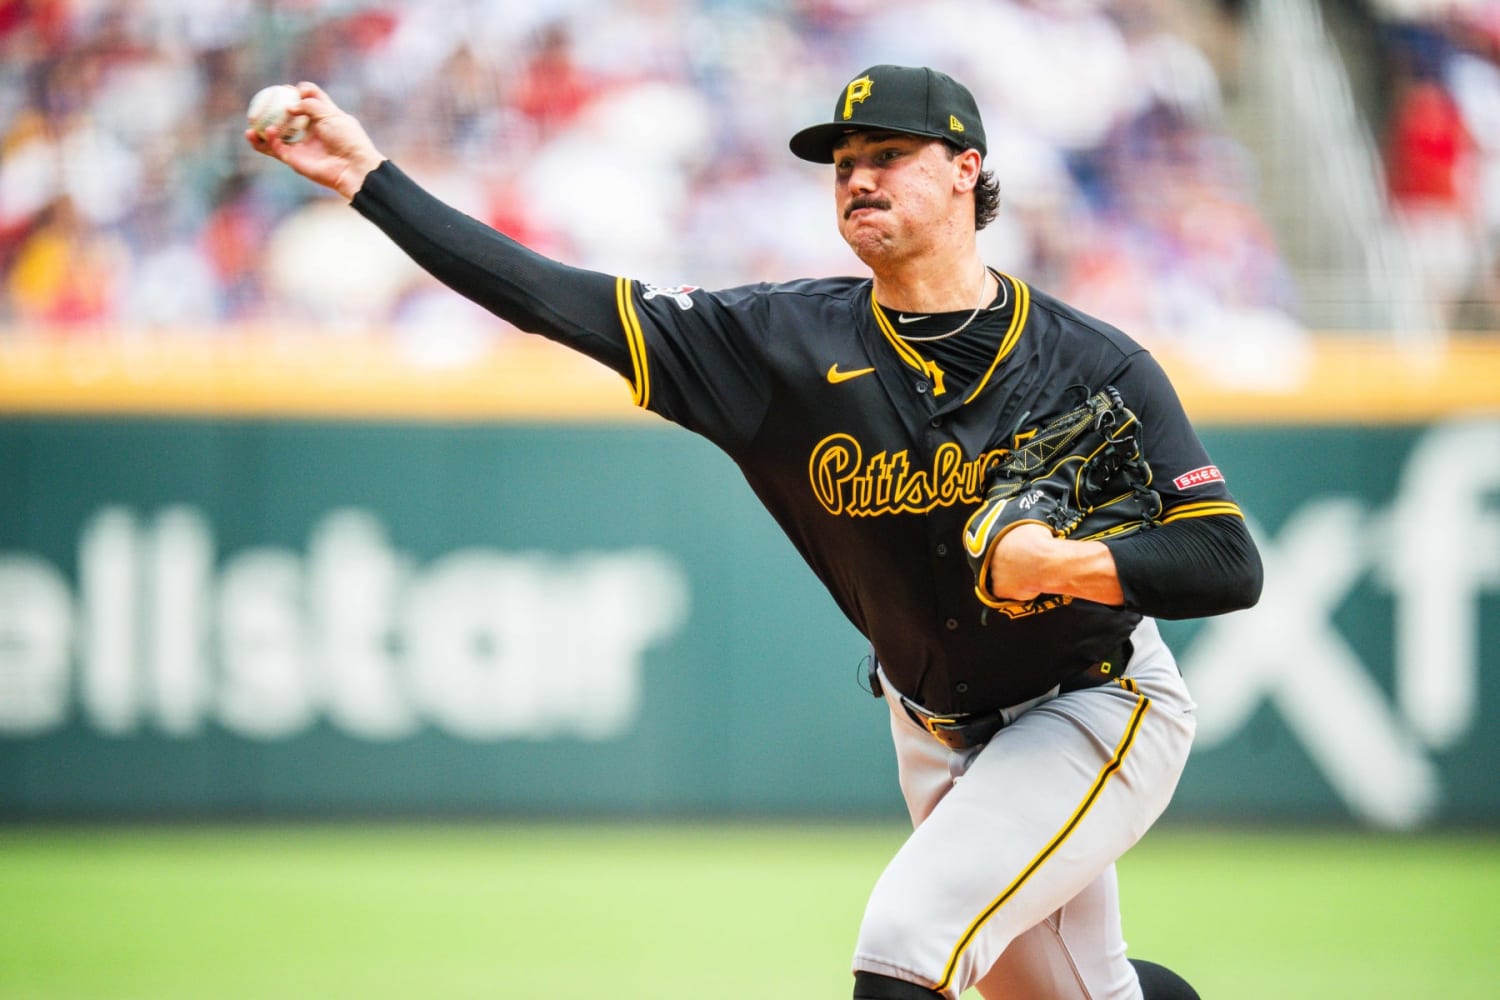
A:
{"points": [[952, 732], [933, 724], [926, 719]]}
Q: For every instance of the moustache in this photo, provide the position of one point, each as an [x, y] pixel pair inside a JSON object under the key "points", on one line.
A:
{"points": [[859, 203]]}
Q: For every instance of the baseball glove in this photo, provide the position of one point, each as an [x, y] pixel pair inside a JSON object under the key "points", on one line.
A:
{"points": [[1083, 476]]}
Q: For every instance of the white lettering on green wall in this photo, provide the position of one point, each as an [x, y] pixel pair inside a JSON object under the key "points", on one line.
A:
{"points": [[1436, 551], [483, 644]]}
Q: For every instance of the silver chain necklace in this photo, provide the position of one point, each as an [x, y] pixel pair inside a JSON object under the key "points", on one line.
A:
{"points": [[1005, 293]]}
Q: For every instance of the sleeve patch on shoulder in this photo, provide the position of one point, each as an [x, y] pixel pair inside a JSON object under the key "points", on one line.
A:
{"points": [[1199, 477], [677, 293]]}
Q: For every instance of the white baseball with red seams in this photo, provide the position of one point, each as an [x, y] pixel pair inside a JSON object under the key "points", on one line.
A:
{"points": [[268, 110]]}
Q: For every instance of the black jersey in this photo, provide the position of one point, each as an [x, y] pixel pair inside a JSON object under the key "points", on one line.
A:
{"points": [[867, 450]]}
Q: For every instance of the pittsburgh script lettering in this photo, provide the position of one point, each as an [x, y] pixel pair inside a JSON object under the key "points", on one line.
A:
{"points": [[847, 483]]}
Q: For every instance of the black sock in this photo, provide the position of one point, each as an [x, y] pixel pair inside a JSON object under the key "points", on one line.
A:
{"points": [[874, 986], [1160, 983]]}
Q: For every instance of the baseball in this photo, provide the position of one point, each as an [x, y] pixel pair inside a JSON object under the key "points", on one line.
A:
{"points": [[268, 108]]}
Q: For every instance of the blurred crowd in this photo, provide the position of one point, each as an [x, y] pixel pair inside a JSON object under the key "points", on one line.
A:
{"points": [[638, 137], [1441, 113]]}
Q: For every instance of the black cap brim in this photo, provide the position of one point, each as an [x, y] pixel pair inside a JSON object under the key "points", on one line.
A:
{"points": [[815, 143]]}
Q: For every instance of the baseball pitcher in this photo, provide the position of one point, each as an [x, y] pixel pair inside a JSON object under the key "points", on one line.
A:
{"points": [[1001, 493]]}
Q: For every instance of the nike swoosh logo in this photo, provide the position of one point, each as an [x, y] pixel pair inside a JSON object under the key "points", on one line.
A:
{"points": [[835, 376], [903, 318]]}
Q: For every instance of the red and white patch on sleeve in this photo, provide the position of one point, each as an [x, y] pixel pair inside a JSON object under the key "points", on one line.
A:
{"points": [[1199, 477]]}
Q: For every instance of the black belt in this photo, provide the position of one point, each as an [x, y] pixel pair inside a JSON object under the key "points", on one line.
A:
{"points": [[973, 729]]}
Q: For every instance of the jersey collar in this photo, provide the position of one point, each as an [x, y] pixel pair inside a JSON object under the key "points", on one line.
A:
{"points": [[908, 354]]}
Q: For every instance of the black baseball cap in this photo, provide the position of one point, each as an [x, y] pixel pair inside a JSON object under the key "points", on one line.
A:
{"points": [[912, 99]]}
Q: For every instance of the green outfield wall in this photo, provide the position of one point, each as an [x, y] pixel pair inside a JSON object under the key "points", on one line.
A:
{"points": [[232, 616]]}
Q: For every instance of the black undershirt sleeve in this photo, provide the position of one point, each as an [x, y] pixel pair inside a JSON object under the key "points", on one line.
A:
{"points": [[570, 305], [1189, 568]]}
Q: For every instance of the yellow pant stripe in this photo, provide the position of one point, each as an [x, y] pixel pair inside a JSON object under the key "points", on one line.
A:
{"points": [[1142, 705]]}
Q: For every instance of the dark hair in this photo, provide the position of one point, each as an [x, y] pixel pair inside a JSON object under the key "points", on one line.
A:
{"points": [[986, 193], [986, 199]]}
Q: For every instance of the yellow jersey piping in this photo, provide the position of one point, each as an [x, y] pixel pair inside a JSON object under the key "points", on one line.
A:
{"points": [[1012, 335], [905, 351], [929, 368], [635, 339], [1206, 508]]}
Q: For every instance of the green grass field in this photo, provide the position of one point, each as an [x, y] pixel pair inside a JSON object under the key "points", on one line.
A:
{"points": [[682, 912]]}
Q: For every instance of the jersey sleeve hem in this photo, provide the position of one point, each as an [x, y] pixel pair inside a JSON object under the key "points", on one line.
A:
{"points": [[1206, 508], [635, 339]]}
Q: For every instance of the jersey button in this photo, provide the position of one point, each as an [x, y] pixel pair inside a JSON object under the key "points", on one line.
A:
{"points": [[961, 687], [942, 548], [951, 624], [935, 422], [923, 386]]}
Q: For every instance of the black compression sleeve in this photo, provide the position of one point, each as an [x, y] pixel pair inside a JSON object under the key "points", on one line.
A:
{"points": [[567, 304], [1189, 568]]}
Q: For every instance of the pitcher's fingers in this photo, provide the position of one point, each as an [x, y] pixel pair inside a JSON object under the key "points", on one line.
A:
{"points": [[258, 142], [315, 102]]}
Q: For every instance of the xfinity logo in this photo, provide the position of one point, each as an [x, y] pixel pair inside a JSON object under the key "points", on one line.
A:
{"points": [[1437, 554]]}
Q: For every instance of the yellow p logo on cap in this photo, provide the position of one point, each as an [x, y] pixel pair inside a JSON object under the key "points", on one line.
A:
{"points": [[856, 92]]}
